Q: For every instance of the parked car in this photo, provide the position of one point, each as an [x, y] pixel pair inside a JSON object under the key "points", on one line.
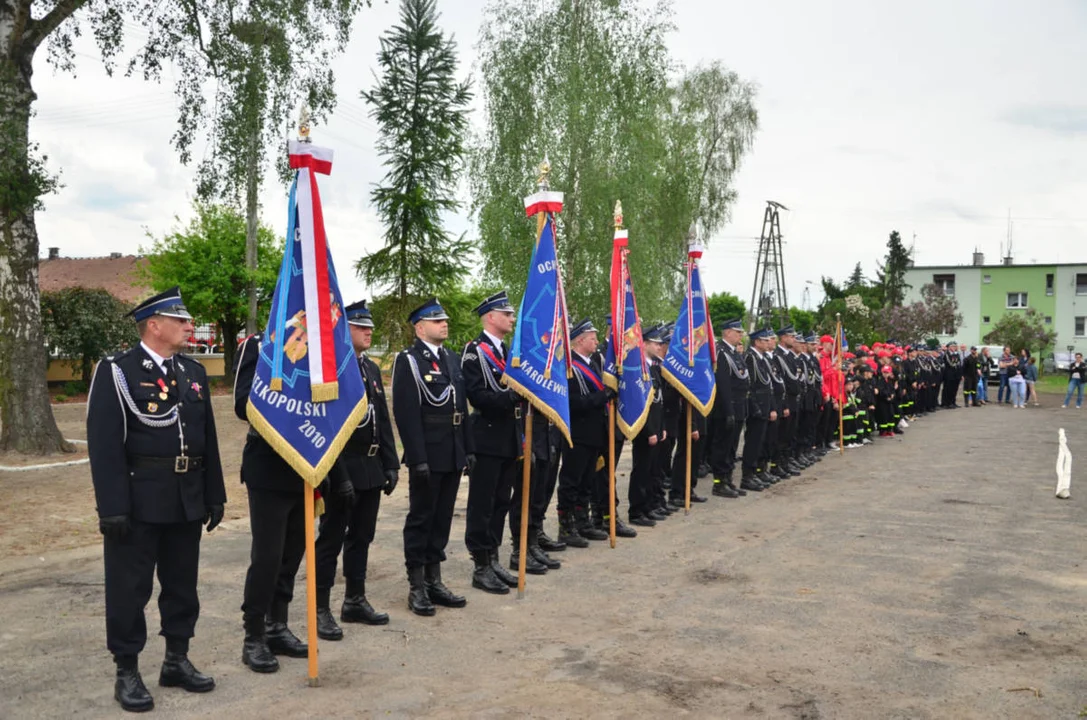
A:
{"points": [[1057, 362]]}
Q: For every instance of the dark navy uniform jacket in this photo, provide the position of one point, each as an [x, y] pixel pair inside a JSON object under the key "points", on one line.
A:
{"points": [[371, 449], [138, 423], [732, 381], [496, 410], [588, 405], [431, 409]]}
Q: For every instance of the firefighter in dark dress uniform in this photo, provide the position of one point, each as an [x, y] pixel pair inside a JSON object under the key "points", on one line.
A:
{"points": [[158, 481], [760, 407], [431, 410], [793, 372], [497, 415], [647, 444], [729, 409], [277, 524], [369, 459]]}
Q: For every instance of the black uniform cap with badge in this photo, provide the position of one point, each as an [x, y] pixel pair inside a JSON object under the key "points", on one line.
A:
{"points": [[581, 328], [734, 324], [167, 303], [429, 310], [787, 330], [359, 315], [761, 334], [499, 302], [655, 333]]}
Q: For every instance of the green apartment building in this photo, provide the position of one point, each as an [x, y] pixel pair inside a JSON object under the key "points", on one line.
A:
{"points": [[985, 292]]}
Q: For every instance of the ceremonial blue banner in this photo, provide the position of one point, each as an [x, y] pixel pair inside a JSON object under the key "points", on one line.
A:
{"points": [[627, 372], [309, 434], [539, 355], [688, 364]]}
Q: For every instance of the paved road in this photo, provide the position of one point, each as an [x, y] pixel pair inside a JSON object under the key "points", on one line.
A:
{"points": [[924, 577]]}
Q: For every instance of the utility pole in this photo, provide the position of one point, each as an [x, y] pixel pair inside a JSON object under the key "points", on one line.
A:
{"points": [[769, 303]]}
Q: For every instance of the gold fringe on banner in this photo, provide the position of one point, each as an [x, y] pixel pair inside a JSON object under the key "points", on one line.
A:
{"points": [[325, 392]]}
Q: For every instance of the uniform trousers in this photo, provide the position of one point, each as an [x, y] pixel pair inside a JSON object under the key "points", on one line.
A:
{"points": [[640, 492], [600, 493], [769, 442], [350, 528], [725, 443], [545, 474], [430, 515], [174, 551], [755, 431], [489, 497], [679, 466], [277, 524]]}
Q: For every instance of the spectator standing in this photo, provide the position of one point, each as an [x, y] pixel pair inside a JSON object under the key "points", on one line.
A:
{"points": [[1077, 375], [1006, 361], [1030, 375], [985, 366], [1018, 384]]}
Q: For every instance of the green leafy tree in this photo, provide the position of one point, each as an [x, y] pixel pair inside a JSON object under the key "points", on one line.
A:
{"points": [[856, 280], [803, 320], [422, 113], [207, 259], [590, 84], [726, 306], [892, 271], [84, 324], [1020, 330]]}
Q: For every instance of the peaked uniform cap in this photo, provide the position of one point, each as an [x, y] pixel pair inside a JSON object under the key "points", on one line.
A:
{"points": [[582, 327], [734, 324], [359, 315], [430, 310], [167, 304], [499, 301]]}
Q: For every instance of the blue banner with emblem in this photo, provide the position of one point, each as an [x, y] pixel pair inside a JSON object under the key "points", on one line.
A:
{"points": [[626, 369], [540, 353], [307, 432], [688, 364]]}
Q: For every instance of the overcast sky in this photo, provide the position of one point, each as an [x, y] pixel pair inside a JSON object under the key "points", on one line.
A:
{"points": [[932, 118]]}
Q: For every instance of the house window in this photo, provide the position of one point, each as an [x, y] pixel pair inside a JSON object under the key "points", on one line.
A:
{"points": [[945, 283], [1048, 284], [986, 279], [1080, 322], [985, 319], [1081, 283], [1017, 300]]}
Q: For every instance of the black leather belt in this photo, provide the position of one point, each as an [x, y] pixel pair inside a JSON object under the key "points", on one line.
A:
{"points": [[454, 419], [179, 463]]}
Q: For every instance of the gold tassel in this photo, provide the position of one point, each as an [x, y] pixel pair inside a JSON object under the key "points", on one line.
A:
{"points": [[276, 384], [325, 392], [600, 463], [318, 507]]}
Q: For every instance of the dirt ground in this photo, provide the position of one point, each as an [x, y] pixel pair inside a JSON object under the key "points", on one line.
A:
{"points": [[929, 576]]}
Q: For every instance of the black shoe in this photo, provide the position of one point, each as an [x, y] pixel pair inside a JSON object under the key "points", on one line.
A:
{"points": [[667, 509], [549, 545], [765, 479], [532, 565], [257, 656], [721, 489], [642, 521], [130, 691], [500, 572], [696, 498], [568, 534], [623, 530], [585, 526], [436, 590], [677, 503], [483, 577], [281, 641], [177, 671], [751, 484], [357, 609], [536, 552], [327, 628], [704, 470], [779, 472], [657, 514], [418, 601]]}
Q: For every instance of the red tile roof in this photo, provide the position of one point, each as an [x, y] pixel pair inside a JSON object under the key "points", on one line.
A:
{"points": [[117, 276]]}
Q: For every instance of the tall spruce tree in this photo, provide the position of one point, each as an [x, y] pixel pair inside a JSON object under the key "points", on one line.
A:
{"points": [[421, 111], [892, 271]]}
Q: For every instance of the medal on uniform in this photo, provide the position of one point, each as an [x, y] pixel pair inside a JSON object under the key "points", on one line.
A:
{"points": [[162, 387], [152, 407], [428, 378], [146, 364]]}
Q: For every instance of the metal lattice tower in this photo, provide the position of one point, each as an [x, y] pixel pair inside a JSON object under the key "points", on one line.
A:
{"points": [[769, 304]]}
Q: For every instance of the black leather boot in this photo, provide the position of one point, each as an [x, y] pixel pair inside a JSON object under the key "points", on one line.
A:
{"points": [[281, 641], [327, 629], [496, 562], [750, 482], [357, 609], [177, 671], [621, 528], [568, 533], [255, 651], [436, 590], [129, 689], [483, 576], [585, 526], [722, 488], [549, 545], [541, 556], [418, 600], [532, 565]]}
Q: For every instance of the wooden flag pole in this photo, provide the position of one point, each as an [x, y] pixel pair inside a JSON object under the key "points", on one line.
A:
{"points": [[841, 381], [611, 471], [687, 499], [311, 589], [526, 489]]}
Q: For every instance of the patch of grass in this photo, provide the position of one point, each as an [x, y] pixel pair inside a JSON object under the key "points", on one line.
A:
{"points": [[1053, 383]]}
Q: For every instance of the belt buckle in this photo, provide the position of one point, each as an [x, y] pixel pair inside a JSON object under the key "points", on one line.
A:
{"points": [[181, 464], [457, 418], [517, 413], [373, 450]]}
